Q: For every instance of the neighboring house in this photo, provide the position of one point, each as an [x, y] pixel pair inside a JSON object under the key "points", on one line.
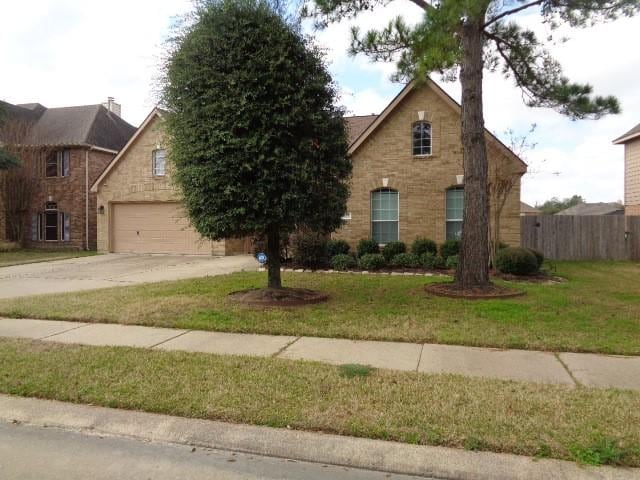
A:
{"points": [[68, 148], [139, 210], [527, 210], [631, 142], [584, 209], [408, 173]]}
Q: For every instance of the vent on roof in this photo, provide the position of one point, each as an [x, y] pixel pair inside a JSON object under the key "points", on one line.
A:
{"points": [[112, 106]]}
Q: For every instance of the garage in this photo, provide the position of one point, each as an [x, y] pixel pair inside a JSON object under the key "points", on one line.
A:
{"points": [[154, 227]]}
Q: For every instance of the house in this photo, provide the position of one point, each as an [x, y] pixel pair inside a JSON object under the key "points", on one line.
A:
{"points": [[631, 142], [65, 150], [583, 209], [408, 173], [527, 210], [139, 208]]}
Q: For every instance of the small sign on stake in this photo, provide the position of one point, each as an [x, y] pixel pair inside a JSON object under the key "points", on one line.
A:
{"points": [[262, 258]]}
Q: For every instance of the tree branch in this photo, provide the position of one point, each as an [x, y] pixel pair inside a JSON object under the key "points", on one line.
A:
{"points": [[423, 4], [512, 11]]}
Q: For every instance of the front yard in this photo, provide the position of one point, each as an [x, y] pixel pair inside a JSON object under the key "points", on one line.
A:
{"points": [[596, 310], [587, 425], [22, 256]]}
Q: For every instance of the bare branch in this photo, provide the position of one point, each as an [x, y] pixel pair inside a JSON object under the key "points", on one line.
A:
{"points": [[513, 11]]}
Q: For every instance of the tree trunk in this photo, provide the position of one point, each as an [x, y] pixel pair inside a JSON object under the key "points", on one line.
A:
{"points": [[473, 267], [273, 257]]}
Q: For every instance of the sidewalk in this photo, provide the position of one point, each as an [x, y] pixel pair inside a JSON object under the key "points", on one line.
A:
{"points": [[590, 370]]}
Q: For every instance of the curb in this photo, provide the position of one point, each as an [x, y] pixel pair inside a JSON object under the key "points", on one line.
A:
{"points": [[379, 455]]}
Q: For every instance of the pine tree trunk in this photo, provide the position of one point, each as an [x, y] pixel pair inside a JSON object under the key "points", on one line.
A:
{"points": [[273, 258], [473, 268]]}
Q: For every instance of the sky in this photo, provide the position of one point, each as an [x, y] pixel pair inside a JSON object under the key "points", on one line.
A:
{"points": [[76, 52]]}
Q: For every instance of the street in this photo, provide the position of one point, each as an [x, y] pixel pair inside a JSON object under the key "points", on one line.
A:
{"points": [[37, 453]]}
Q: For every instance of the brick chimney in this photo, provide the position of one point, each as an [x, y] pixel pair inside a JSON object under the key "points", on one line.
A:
{"points": [[112, 106]]}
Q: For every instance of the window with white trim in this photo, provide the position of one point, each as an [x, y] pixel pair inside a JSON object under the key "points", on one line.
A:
{"points": [[454, 212], [51, 225], [421, 138], [159, 163], [57, 163], [385, 215]]}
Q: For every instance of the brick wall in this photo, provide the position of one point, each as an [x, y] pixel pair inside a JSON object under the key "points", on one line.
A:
{"points": [[421, 181]]}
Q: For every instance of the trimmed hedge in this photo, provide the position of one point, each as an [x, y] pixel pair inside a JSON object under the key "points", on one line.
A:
{"points": [[421, 246], [517, 261], [367, 246], [431, 261], [310, 250], [539, 256], [449, 248], [406, 260], [452, 262], [372, 261], [392, 249], [337, 247], [342, 262]]}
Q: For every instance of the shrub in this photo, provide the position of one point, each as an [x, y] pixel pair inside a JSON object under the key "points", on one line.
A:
{"points": [[406, 260], [337, 247], [452, 261], [372, 261], [431, 261], [342, 262], [517, 261], [539, 256], [449, 248], [9, 246], [310, 250], [392, 249], [421, 246], [367, 246]]}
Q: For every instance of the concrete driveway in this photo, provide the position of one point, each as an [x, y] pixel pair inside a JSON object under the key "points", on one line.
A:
{"points": [[113, 270]]}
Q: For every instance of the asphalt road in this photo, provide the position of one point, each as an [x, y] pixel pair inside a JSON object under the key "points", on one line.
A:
{"points": [[35, 453]]}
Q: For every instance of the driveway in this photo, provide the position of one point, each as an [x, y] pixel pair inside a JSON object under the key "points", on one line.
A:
{"points": [[113, 270]]}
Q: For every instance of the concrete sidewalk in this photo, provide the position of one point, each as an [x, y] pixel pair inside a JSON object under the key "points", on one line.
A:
{"points": [[600, 371]]}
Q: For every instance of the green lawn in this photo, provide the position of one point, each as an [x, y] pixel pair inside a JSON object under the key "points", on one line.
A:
{"points": [[21, 256], [596, 310], [588, 425]]}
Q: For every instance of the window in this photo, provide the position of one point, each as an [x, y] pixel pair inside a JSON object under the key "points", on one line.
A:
{"points": [[57, 164], [384, 215], [455, 209], [421, 135], [51, 225], [159, 163]]}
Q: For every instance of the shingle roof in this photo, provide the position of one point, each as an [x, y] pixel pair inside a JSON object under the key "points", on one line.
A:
{"points": [[631, 134], [358, 124], [526, 208], [83, 125], [612, 208]]}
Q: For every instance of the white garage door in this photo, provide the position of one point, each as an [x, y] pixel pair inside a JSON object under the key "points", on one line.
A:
{"points": [[154, 228]]}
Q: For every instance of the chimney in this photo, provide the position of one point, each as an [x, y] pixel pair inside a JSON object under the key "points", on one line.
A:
{"points": [[112, 106]]}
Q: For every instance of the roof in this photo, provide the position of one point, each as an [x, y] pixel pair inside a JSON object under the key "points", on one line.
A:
{"points": [[358, 124], [612, 208], [630, 135], [86, 125], [526, 208], [379, 119]]}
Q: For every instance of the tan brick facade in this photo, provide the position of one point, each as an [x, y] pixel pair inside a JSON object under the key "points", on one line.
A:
{"points": [[385, 160], [632, 177]]}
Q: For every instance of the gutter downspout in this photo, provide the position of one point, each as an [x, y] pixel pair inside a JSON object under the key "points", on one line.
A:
{"points": [[86, 199]]}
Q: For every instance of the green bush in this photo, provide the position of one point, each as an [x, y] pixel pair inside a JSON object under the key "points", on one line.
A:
{"points": [[406, 260], [452, 262], [367, 246], [449, 248], [372, 261], [517, 261], [337, 247], [310, 250], [421, 246], [539, 256], [342, 262], [392, 249], [431, 261]]}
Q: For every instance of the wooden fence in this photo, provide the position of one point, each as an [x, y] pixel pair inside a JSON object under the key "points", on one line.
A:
{"points": [[569, 237]]}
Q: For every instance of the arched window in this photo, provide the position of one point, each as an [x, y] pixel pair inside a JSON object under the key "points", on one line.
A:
{"points": [[384, 215], [421, 137], [454, 212]]}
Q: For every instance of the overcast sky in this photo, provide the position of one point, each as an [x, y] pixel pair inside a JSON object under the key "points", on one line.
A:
{"points": [[74, 52]]}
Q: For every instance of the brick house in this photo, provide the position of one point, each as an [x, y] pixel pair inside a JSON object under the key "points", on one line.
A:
{"points": [[631, 142], [408, 173], [67, 149]]}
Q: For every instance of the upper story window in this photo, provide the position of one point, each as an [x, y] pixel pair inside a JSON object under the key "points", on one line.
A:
{"points": [[159, 163], [454, 213], [57, 163], [421, 138], [384, 216]]}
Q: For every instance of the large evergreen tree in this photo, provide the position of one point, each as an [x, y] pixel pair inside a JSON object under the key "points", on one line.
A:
{"points": [[256, 141], [461, 38]]}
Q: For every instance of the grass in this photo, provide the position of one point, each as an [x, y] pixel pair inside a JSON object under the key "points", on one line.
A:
{"points": [[596, 310], [448, 410], [22, 256]]}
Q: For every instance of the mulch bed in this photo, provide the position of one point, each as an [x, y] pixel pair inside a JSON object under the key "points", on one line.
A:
{"points": [[278, 297], [451, 290], [537, 278]]}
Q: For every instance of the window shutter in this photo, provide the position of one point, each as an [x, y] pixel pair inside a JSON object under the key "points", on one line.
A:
{"points": [[65, 163], [66, 227], [34, 227]]}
